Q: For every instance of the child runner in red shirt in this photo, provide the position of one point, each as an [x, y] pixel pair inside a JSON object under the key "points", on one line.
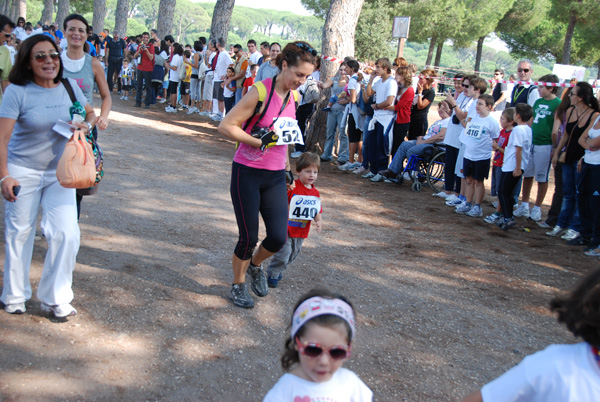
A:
{"points": [[506, 123], [304, 207]]}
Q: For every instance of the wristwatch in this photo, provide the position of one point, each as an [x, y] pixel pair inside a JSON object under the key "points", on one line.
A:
{"points": [[90, 127]]}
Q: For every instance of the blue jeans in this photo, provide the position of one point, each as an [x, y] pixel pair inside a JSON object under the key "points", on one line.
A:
{"points": [[238, 95], [405, 150], [378, 160], [335, 120], [569, 213]]}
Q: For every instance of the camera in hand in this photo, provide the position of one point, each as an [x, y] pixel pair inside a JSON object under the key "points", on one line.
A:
{"points": [[455, 120], [268, 137]]}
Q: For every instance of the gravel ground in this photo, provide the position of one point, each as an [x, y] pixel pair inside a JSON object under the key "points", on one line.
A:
{"points": [[445, 303]]}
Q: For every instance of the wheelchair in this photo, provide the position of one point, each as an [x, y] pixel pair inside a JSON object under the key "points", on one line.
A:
{"points": [[426, 169]]}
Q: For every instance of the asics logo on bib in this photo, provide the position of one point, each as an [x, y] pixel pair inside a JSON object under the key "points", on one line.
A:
{"points": [[302, 201]]}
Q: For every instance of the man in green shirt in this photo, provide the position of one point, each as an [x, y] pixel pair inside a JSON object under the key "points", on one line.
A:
{"points": [[7, 27], [541, 151]]}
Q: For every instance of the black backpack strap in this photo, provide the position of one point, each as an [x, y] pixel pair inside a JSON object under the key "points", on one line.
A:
{"points": [[69, 88], [259, 104]]}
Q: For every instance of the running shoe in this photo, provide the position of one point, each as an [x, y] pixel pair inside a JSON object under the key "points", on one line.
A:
{"points": [[16, 308], [359, 170], [570, 235], [346, 166], [555, 232], [368, 175], [543, 224], [493, 218], [442, 194], [216, 117], [259, 280], [507, 223], [273, 281], [463, 209], [475, 212], [162, 100], [453, 201], [522, 211], [377, 178], [241, 297], [295, 154], [59, 310], [192, 110], [170, 109], [536, 214]]}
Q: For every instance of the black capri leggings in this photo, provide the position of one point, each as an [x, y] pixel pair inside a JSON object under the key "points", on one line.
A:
{"points": [[253, 191]]}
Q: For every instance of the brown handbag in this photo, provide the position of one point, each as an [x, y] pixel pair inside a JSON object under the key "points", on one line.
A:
{"points": [[76, 167]]}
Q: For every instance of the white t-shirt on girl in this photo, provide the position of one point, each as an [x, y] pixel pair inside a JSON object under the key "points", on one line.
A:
{"points": [[593, 157], [344, 386], [227, 93], [383, 90], [477, 137], [557, 373], [453, 130], [176, 61], [521, 136]]}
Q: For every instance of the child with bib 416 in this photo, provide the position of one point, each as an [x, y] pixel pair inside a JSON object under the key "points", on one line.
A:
{"points": [[322, 330], [304, 206]]}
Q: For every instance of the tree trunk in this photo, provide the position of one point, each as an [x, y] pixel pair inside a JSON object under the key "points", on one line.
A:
{"points": [[62, 12], [431, 48], [99, 15], [179, 29], [566, 55], [13, 13], [121, 17], [221, 18], [338, 41], [166, 11], [478, 55], [438, 53], [22, 9], [48, 11]]}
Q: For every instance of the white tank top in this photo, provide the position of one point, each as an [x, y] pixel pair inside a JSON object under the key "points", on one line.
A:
{"points": [[593, 157]]}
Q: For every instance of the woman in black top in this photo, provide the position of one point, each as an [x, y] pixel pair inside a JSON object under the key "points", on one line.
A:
{"points": [[584, 111], [423, 99]]}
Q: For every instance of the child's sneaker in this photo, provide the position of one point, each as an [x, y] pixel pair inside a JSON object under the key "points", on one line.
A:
{"points": [[368, 175], [126, 98], [536, 214], [493, 218], [273, 281], [16, 308], [442, 194], [555, 231], [463, 209], [170, 109], [522, 211], [475, 211], [359, 170]]}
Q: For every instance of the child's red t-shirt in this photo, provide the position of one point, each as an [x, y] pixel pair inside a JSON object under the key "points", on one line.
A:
{"points": [[248, 82], [299, 227], [502, 142]]}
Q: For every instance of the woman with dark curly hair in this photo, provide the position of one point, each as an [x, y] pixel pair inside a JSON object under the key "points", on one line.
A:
{"points": [[559, 372], [258, 177]]}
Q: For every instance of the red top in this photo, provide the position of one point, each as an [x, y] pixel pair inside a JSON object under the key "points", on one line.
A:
{"points": [[248, 82], [300, 228], [502, 143], [403, 106], [146, 64]]}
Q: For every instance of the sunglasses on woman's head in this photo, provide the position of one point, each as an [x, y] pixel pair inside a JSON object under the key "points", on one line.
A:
{"points": [[315, 350], [307, 48], [41, 57]]}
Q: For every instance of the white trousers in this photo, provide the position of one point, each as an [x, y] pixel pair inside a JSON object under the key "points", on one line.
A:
{"points": [[59, 225]]}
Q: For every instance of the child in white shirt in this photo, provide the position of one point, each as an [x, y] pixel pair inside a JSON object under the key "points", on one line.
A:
{"points": [[477, 138]]}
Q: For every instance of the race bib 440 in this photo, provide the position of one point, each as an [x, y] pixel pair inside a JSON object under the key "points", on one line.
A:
{"points": [[304, 207]]}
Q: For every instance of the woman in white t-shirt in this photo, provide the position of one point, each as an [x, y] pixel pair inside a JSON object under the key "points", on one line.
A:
{"points": [[559, 372], [589, 188], [174, 66]]}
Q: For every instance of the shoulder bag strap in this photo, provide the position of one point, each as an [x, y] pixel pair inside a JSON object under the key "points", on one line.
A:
{"points": [[67, 84]]}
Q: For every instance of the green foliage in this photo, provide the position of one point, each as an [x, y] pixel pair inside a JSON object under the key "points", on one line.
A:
{"points": [[373, 32], [318, 7]]}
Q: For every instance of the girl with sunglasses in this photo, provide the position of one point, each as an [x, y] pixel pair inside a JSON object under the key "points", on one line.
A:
{"points": [[322, 330], [31, 145]]}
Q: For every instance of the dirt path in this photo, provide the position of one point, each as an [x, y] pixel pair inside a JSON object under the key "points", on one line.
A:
{"points": [[445, 303]]}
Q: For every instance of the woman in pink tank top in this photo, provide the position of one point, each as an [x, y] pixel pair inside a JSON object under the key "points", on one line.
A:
{"points": [[258, 177]]}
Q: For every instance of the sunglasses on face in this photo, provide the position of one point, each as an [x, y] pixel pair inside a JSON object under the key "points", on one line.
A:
{"points": [[522, 70], [497, 74], [315, 350], [41, 57], [465, 85]]}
